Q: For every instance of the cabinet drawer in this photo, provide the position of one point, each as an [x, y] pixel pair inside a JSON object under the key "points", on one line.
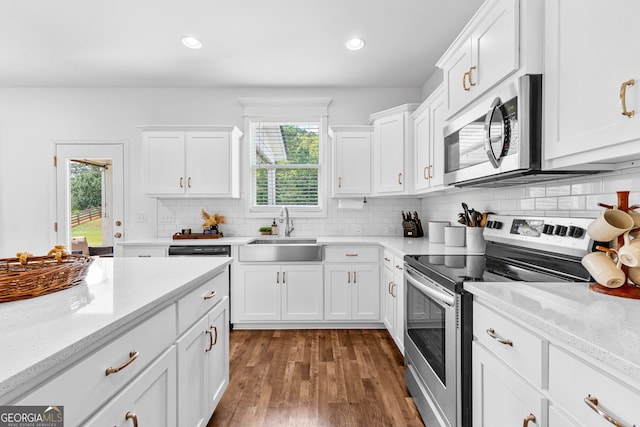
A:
{"points": [[398, 266], [144, 252], [387, 260], [85, 386], [525, 352], [571, 380], [196, 304], [352, 254]]}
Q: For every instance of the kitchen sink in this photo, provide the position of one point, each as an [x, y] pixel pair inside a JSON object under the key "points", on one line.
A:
{"points": [[280, 250]]}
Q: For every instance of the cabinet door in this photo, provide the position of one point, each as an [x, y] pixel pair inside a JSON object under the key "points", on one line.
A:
{"points": [[258, 292], [193, 405], [389, 137], [151, 398], [302, 292], [500, 397], [217, 356], [421, 135], [208, 163], [365, 294], [353, 164], [389, 302], [337, 289], [584, 73], [495, 46], [163, 154], [458, 91]]}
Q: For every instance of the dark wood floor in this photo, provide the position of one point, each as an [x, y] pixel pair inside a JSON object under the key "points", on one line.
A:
{"points": [[315, 378]]}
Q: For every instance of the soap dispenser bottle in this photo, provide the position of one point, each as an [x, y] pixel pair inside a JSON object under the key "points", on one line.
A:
{"points": [[274, 228]]}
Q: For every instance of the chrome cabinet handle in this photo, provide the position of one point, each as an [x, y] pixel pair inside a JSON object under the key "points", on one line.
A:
{"points": [[471, 83], [623, 98], [215, 340], [398, 267], [389, 288], [464, 82], [430, 169], [210, 295], [424, 172], [348, 277], [133, 355], [189, 182], [131, 416], [181, 182], [528, 418], [592, 402], [278, 277], [387, 259], [208, 332], [393, 290], [355, 278], [492, 333], [339, 182], [400, 178], [284, 277]]}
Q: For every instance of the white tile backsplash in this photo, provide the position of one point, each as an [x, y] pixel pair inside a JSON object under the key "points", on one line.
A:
{"points": [[577, 197]]}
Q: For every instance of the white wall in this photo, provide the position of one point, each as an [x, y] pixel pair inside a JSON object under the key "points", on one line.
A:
{"points": [[30, 118]]}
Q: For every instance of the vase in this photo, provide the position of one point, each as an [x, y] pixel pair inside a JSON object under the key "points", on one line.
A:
{"points": [[475, 239]]}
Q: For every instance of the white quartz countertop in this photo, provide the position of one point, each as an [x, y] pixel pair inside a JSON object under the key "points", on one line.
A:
{"points": [[604, 327], [399, 245], [40, 333]]}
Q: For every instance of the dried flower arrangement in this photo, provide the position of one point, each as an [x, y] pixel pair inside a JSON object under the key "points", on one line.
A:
{"points": [[211, 221]]}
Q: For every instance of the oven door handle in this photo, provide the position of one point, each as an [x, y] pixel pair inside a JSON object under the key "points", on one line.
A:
{"points": [[435, 293]]}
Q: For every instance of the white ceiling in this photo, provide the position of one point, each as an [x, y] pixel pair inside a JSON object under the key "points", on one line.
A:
{"points": [[246, 43]]}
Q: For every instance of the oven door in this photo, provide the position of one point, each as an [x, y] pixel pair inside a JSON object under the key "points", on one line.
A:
{"points": [[431, 340]]}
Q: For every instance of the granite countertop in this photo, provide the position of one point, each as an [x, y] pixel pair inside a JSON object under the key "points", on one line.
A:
{"points": [[40, 333], [399, 245], [603, 327]]}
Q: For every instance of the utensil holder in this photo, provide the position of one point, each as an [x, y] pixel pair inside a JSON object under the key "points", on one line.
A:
{"points": [[475, 239]]}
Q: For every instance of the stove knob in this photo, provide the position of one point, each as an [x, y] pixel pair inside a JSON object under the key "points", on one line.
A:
{"points": [[489, 224], [561, 230], [547, 229], [576, 232], [497, 225]]}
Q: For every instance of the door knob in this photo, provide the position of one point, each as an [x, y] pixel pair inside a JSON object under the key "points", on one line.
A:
{"points": [[117, 235]]}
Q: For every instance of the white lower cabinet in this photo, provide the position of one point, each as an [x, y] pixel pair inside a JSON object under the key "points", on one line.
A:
{"points": [[149, 400], [144, 251], [203, 373], [393, 298], [501, 397], [518, 372], [273, 292], [352, 292]]}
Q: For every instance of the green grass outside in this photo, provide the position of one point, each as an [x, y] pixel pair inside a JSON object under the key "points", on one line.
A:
{"points": [[92, 230]]}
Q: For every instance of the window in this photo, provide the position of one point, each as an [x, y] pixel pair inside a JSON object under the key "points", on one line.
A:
{"points": [[286, 155], [285, 163]]}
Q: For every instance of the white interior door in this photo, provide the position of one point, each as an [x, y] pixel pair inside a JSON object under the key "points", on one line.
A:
{"points": [[111, 154]]}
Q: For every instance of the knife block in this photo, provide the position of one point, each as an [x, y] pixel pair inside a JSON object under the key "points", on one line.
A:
{"points": [[412, 228]]}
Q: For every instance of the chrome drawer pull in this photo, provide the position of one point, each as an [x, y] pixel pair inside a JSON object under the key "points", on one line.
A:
{"points": [[528, 418], [132, 356], [352, 254], [355, 277], [492, 333], [215, 340], [592, 402], [132, 416], [208, 331], [210, 295], [387, 259]]}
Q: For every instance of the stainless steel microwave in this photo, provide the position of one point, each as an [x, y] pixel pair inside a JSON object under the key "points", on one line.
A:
{"points": [[499, 139]]}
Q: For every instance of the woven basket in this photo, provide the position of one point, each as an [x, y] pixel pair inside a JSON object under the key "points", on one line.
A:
{"points": [[40, 276]]}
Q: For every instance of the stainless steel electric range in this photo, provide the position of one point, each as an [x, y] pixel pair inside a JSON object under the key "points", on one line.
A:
{"points": [[438, 315]]}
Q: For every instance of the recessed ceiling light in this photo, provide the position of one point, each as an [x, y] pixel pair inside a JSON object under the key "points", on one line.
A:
{"points": [[191, 42], [355, 44]]}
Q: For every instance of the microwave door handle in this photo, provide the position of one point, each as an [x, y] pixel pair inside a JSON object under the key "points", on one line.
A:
{"points": [[436, 294], [505, 137]]}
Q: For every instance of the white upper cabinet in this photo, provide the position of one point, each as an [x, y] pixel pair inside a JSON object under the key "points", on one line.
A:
{"points": [[352, 155], [592, 76], [428, 124], [502, 37], [201, 161], [393, 162]]}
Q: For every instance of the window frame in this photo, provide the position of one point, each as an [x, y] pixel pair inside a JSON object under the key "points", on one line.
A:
{"points": [[287, 111]]}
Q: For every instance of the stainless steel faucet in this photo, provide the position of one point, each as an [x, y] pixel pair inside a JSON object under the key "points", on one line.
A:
{"points": [[288, 224]]}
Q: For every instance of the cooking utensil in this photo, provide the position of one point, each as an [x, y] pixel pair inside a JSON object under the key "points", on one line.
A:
{"points": [[468, 218]]}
